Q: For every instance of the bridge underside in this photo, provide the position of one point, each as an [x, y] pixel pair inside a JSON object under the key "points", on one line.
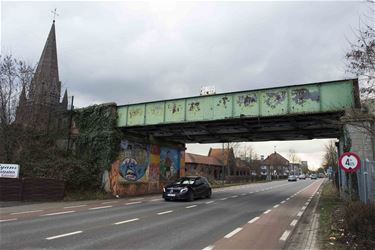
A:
{"points": [[297, 127]]}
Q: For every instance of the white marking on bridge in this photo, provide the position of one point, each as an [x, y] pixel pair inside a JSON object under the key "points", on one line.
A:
{"points": [[63, 235]]}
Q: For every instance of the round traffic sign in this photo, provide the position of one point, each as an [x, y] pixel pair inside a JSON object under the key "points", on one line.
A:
{"points": [[349, 162]]}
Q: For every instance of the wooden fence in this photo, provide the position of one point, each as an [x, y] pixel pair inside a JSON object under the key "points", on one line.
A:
{"points": [[31, 189]]}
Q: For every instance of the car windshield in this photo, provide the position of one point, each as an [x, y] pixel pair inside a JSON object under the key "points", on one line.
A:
{"points": [[184, 181]]}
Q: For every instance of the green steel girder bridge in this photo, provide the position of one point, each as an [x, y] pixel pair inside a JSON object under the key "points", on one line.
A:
{"points": [[299, 112]]}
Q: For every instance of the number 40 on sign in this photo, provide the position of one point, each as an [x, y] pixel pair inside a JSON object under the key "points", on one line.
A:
{"points": [[349, 162]]}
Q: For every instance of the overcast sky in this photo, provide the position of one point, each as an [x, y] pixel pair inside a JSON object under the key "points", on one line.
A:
{"points": [[133, 51]]}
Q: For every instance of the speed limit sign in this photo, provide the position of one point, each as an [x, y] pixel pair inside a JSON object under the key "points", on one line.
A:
{"points": [[349, 162]]}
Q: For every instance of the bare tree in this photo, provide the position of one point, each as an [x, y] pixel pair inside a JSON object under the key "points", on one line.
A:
{"points": [[14, 74], [330, 158], [293, 158]]}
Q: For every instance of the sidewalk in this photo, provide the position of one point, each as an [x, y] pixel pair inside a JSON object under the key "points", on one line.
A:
{"points": [[305, 235]]}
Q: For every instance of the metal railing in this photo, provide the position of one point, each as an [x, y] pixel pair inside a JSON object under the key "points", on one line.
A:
{"points": [[366, 181]]}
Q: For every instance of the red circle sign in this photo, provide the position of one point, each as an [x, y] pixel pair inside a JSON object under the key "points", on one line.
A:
{"points": [[349, 162]]}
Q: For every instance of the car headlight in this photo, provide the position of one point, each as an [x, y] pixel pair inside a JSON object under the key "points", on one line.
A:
{"points": [[183, 190], [164, 190]]}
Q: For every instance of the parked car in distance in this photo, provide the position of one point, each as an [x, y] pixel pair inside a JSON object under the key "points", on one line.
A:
{"points": [[302, 177], [292, 178], [187, 188], [313, 177], [321, 175]]}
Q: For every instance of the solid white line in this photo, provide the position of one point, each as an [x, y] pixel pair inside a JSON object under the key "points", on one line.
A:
{"points": [[132, 203], [109, 202], [294, 222], [276, 206], [208, 248], [285, 235], [94, 208], [63, 235], [299, 213], [191, 206], [266, 212], [166, 212], [8, 220], [125, 221], [233, 233], [253, 220], [209, 202], [76, 206], [26, 212], [58, 213]]}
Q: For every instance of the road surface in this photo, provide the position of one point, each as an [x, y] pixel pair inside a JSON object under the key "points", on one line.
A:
{"points": [[255, 216]]}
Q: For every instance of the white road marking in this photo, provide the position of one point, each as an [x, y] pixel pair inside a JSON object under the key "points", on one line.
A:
{"points": [[125, 221], [157, 200], [208, 248], [94, 208], [109, 202], [266, 212], [303, 208], [137, 199], [285, 235], [307, 203], [287, 198], [223, 199], [234, 196], [58, 213], [233, 233], [282, 202], [276, 206], [253, 220], [84, 205], [299, 213], [8, 220], [26, 212], [191, 206], [132, 203], [209, 202], [294, 222], [244, 194], [165, 212], [63, 235]]}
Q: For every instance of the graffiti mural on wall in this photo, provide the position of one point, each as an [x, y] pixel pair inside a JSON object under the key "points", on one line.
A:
{"points": [[134, 162], [169, 163], [154, 169]]}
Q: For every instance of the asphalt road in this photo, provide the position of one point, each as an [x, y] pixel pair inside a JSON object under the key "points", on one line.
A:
{"points": [[242, 217]]}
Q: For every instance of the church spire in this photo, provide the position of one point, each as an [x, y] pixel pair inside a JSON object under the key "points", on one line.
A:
{"points": [[65, 100], [45, 86]]}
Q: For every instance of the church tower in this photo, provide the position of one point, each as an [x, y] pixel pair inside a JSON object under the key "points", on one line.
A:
{"points": [[41, 108]]}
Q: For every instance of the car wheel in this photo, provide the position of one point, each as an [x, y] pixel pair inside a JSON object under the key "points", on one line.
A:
{"points": [[166, 199], [209, 193], [190, 196]]}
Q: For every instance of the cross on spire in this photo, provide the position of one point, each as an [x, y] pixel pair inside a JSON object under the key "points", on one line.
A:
{"points": [[54, 12]]}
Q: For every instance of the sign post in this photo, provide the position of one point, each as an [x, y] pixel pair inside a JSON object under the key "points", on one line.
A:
{"points": [[350, 163]]}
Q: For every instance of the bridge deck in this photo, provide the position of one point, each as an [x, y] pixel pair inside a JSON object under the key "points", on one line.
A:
{"points": [[286, 113]]}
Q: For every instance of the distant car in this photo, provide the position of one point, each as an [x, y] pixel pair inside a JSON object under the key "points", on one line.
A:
{"points": [[188, 188], [292, 178], [313, 177], [302, 177], [321, 175]]}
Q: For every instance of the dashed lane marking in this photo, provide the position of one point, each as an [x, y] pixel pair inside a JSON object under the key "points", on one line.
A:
{"points": [[83, 205], [26, 212], [234, 196], [223, 199], [191, 206], [285, 235], [276, 205], [208, 248], [294, 222], [266, 212], [209, 202], [109, 202], [253, 220], [8, 220], [282, 202], [165, 212], [63, 235], [299, 213], [157, 200], [58, 213], [132, 203], [233, 233], [303, 208], [95, 208], [125, 221]]}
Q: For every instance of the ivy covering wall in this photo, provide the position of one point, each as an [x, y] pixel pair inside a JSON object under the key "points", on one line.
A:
{"points": [[98, 139]]}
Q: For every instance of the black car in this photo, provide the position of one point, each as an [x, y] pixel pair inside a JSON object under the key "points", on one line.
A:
{"points": [[187, 188]]}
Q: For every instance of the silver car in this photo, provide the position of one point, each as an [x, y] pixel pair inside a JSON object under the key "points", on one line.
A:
{"points": [[292, 178]]}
